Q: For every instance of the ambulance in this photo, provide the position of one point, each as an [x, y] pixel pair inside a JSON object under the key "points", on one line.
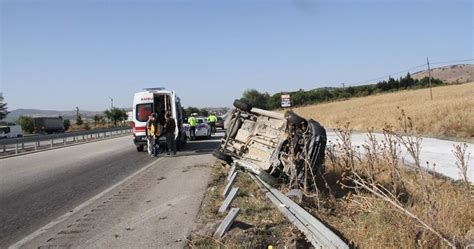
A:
{"points": [[156, 100]]}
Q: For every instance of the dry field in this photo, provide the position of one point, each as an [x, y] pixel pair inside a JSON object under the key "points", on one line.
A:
{"points": [[449, 114], [375, 202]]}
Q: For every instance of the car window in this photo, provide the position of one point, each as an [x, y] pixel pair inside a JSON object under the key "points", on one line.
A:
{"points": [[143, 111]]}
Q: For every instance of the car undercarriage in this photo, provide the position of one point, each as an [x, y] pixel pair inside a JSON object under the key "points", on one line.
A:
{"points": [[283, 145]]}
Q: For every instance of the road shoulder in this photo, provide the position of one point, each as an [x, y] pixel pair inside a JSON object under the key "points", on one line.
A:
{"points": [[155, 208]]}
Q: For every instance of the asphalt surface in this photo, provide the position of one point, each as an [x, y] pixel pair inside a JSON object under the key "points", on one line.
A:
{"points": [[37, 188]]}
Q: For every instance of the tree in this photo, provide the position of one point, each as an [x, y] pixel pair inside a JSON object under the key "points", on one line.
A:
{"points": [[3, 109], [98, 119], [204, 112], [116, 115], [256, 99], [190, 110], [67, 124], [26, 124], [79, 120]]}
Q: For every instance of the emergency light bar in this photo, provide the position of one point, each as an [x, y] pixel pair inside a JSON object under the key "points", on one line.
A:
{"points": [[154, 89]]}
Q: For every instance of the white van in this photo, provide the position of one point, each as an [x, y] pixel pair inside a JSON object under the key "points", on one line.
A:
{"points": [[9, 131], [159, 101]]}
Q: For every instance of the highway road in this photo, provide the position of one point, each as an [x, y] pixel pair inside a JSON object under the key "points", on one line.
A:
{"points": [[37, 188]]}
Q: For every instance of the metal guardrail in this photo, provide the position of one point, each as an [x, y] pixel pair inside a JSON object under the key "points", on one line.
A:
{"points": [[36, 142], [315, 231]]}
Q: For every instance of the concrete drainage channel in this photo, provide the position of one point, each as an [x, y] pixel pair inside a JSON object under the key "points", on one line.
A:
{"points": [[315, 231], [25, 145]]}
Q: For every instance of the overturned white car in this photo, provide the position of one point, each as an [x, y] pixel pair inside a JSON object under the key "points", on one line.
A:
{"points": [[284, 145]]}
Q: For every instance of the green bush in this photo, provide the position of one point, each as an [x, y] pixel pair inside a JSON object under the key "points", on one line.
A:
{"points": [[26, 124], [67, 124]]}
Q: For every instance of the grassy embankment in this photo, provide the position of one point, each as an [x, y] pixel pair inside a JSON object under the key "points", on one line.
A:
{"points": [[375, 202], [258, 225], [449, 114]]}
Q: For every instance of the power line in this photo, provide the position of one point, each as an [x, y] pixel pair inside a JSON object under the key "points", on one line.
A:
{"points": [[455, 61], [409, 69], [388, 75]]}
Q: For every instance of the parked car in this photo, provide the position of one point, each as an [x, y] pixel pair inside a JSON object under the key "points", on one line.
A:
{"points": [[284, 145], [220, 122], [9, 131], [203, 129]]}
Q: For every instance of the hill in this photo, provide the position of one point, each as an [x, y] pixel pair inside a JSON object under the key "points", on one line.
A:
{"points": [[461, 73], [449, 114], [13, 115]]}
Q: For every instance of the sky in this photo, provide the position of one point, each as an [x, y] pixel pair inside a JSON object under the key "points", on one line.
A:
{"points": [[56, 55]]}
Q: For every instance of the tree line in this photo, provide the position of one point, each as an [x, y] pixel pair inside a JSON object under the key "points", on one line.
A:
{"points": [[110, 117], [266, 101]]}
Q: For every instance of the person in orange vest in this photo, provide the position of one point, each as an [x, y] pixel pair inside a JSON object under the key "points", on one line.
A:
{"points": [[153, 132]]}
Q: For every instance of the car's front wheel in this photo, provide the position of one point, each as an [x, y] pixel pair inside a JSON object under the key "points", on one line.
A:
{"points": [[242, 105]]}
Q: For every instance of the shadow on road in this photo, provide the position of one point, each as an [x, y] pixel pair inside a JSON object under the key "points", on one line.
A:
{"points": [[200, 146]]}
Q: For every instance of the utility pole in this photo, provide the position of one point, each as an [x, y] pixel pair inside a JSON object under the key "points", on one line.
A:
{"points": [[429, 77], [343, 86], [111, 103]]}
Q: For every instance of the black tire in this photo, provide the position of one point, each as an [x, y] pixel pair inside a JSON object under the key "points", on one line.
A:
{"points": [[242, 105], [294, 119], [222, 156], [140, 148]]}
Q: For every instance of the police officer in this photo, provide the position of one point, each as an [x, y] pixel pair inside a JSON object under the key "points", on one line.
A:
{"points": [[193, 122], [212, 119]]}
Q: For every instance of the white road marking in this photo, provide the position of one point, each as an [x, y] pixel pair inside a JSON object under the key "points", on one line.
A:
{"points": [[45, 228]]}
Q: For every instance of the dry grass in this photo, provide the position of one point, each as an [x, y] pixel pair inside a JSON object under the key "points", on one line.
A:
{"points": [[378, 203], [258, 224], [449, 114]]}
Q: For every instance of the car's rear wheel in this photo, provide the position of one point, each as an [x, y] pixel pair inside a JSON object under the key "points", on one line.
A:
{"points": [[140, 148], [294, 119], [222, 156], [242, 105]]}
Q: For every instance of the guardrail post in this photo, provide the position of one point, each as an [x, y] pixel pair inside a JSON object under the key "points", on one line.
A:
{"points": [[52, 142], [4, 148], [36, 144], [64, 140], [22, 146], [16, 148]]}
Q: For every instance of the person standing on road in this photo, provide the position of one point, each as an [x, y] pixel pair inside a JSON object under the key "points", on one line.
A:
{"points": [[193, 122], [212, 119], [169, 129], [152, 134]]}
